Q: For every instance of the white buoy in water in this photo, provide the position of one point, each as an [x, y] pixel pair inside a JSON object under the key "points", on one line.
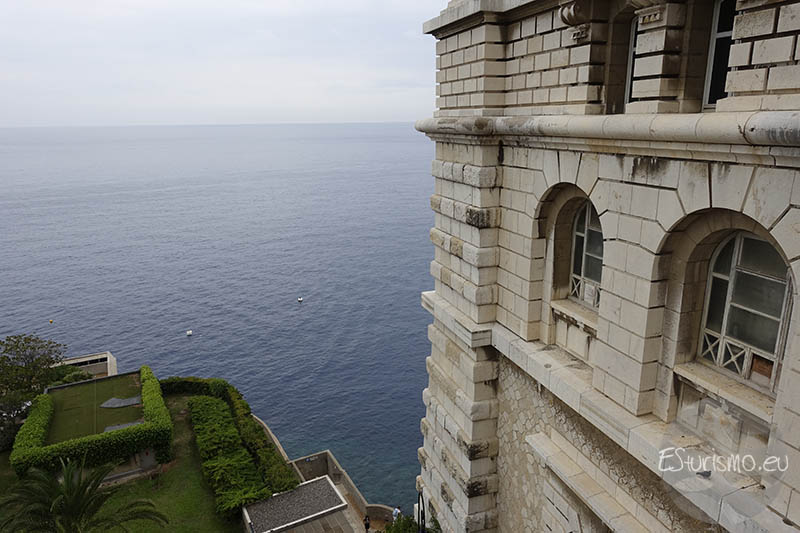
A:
{"points": [[300, 299], [188, 333]]}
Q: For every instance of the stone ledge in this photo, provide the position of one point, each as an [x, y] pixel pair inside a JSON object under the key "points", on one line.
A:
{"points": [[644, 437], [456, 12], [584, 318], [720, 386], [472, 334], [785, 156], [602, 503], [767, 128]]}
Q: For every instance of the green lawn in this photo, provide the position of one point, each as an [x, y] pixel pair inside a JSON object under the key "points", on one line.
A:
{"points": [[78, 412], [181, 492]]}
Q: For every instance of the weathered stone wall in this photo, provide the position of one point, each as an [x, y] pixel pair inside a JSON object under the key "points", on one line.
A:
{"points": [[547, 408], [525, 408], [524, 483]]}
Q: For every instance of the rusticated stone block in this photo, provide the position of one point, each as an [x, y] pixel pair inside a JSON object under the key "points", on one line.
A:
{"points": [[479, 218]]}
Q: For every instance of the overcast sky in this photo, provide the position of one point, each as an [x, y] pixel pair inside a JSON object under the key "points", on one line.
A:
{"points": [[119, 62]]}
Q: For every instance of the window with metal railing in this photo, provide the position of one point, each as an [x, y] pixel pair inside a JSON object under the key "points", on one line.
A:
{"points": [[746, 311], [587, 256]]}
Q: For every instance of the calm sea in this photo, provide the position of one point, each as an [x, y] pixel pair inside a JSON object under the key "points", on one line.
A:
{"points": [[128, 237]]}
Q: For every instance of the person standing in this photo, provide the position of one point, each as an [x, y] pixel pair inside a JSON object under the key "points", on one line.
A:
{"points": [[396, 513], [366, 523]]}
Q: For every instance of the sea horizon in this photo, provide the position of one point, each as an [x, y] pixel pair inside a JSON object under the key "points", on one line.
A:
{"points": [[127, 236]]}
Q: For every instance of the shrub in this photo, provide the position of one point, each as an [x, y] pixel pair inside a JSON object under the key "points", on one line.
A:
{"points": [[188, 385], [69, 374], [112, 447], [215, 431], [226, 469], [277, 473], [33, 432], [227, 465], [155, 413], [407, 524], [403, 524], [218, 388]]}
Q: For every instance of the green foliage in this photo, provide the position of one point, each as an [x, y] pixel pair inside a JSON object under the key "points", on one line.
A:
{"points": [[155, 413], [71, 502], [111, 447], [213, 427], [187, 385], [27, 366], [227, 465], [225, 469], [66, 374], [34, 432], [277, 473], [403, 524], [180, 490], [406, 524], [219, 388]]}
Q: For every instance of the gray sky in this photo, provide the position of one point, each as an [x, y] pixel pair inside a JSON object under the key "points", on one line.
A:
{"points": [[115, 62]]}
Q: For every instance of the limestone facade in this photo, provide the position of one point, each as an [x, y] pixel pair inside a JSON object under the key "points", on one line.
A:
{"points": [[617, 245]]}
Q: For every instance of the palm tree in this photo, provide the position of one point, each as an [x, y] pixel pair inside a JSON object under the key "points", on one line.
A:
{"points": [[69, 503]]}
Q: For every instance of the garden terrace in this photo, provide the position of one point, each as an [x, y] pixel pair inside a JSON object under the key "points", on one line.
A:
{"points": [[78, 408], [72, 424]]}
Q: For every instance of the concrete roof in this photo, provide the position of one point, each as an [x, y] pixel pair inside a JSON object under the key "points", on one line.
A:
{"points": [[295, 511]]}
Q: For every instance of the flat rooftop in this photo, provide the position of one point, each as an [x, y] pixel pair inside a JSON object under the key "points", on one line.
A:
{"points": [[314, 506], [78, 408]]}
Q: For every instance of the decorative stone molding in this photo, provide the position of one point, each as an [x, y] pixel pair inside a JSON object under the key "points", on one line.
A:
{"points": [[581, 32], [651, 13], [768, 128], [574, 13], [642, 4], [578, 12]]}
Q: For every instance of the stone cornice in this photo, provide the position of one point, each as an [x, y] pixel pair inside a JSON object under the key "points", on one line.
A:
{"points": [[757, 128], [474, 12], [469, 13]]}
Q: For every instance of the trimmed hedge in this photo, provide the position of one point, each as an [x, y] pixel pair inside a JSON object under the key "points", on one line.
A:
{"points": [[277, 473], [188, 385], [33, 432], [155, 412], [227, 465], [112, 447]]}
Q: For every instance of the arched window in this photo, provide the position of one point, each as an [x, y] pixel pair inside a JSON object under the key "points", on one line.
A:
{"points": [[587, 256], [718, 51], [746, 310]]}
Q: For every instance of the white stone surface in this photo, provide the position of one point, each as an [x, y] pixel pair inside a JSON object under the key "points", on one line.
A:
{"points": [[522, 135]]}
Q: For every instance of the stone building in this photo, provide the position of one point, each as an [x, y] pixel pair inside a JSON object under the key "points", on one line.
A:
{"points": [[617, 251]]}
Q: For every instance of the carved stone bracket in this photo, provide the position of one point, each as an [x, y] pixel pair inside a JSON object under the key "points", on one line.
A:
{"points": [[575, 12]]}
